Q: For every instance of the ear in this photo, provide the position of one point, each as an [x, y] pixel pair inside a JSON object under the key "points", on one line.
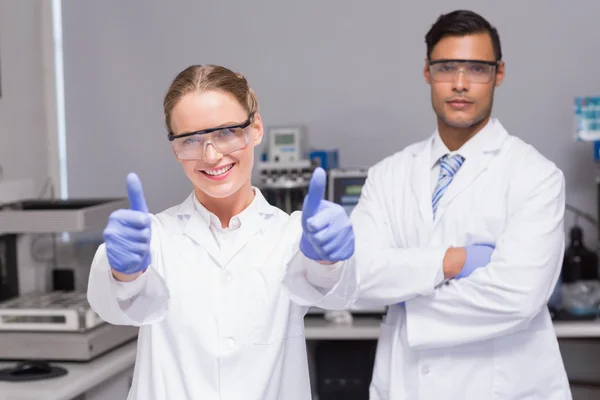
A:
{"points": [[257, 129], [500, 73], [426, 73]]}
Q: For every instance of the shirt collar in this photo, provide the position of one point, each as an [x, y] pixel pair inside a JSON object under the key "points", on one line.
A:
{"points": [[255, 210], [474, 145]]}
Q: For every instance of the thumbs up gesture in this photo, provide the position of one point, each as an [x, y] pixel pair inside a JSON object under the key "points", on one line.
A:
{"points": [[127, 234], [327, 233]]}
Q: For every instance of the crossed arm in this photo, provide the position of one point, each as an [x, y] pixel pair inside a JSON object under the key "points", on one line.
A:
{"points": [[494, 301]]}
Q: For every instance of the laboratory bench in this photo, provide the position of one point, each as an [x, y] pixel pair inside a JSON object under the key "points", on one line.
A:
{"points": [[108, 377]]}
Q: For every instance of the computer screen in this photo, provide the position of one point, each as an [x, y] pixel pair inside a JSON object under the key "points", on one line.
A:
{"points": [[346, 190]]}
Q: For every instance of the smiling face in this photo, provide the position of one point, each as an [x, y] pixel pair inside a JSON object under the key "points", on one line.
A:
{"points": [[465, 101], [215, 175]]}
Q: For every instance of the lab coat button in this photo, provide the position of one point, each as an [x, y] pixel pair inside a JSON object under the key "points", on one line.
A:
{"points": [[229, 343], [227, 277], [425, 370]]}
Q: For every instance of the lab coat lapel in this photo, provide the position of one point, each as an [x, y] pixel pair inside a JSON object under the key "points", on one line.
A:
{"points": [[476, 162], [248, 231], [197, 228], [471, 168], [420, 180]]}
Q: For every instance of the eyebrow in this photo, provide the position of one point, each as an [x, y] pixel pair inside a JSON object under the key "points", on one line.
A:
{"points": [[214, 128], [228, 123]]}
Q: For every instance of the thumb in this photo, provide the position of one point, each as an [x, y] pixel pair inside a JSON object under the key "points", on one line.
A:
{"points": [[136, 193], [316, 190]]}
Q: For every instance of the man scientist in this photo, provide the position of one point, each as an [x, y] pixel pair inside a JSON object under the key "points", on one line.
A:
{"points": [[471, 195]]}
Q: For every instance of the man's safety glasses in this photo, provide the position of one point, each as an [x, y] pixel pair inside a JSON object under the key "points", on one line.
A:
{"points": [[474, 70], [226, 140]]}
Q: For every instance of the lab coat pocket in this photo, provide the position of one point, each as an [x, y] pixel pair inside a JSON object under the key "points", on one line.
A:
{"points": [[280, 328], [482, 228], [275, 317]]}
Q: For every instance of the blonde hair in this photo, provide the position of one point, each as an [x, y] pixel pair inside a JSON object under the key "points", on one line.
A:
{"points": [[201, 78]]}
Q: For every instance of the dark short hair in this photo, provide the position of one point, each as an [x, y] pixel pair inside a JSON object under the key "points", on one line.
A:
{"points": [[461, 23]]}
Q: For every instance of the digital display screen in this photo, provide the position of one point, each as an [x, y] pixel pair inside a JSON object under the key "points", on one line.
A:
{"points": [[346, 192], [284, 139], [353, 190]]}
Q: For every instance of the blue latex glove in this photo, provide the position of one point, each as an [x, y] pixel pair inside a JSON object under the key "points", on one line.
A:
{"points": [[478, 255], [127, 234], [327, 233]]}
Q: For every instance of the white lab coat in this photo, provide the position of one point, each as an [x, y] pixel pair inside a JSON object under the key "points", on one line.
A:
{"points": [[219, 325], [486, 337]]}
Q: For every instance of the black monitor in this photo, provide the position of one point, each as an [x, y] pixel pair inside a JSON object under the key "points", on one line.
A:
{"points": [[345, 187]]}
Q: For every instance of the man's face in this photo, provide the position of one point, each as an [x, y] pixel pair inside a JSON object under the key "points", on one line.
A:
{"points": [[462, 93]]}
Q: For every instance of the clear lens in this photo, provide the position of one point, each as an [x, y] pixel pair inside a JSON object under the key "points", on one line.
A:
{"points": [[225, 141], [475, 72]]}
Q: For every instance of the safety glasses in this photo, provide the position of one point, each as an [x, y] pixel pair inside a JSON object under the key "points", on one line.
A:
{"points": [[476, 71], [226, 140]]}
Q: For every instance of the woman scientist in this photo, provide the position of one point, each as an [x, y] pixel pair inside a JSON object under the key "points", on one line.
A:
{"points": [[210, 282]]}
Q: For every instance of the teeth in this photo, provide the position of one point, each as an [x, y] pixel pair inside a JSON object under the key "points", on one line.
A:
{"points": [[217, 172]]}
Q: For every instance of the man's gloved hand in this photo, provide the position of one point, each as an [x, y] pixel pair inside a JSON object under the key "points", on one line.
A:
{"points": [[327, 233], [478, 255], [127, 234]]}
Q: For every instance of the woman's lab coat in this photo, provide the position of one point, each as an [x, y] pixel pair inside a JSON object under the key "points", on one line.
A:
{"points": [[215, 321], [486, 337]]}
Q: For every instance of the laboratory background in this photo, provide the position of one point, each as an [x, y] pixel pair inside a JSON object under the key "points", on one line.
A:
{"points": [[339, 84]]}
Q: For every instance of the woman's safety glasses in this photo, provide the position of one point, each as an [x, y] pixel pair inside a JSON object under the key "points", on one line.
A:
{"points": [[226, 140], [474, 70]]}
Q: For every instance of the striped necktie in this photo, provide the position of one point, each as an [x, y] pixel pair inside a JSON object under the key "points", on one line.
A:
{"points": [[449, 165]]}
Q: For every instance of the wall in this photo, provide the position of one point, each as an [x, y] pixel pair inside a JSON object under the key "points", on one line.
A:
{"points": [[23, 128], [349, 70], [23, 148]]}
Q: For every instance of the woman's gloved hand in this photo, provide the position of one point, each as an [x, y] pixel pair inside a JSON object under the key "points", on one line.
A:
{"points": [[127, 234], [327, 233]]}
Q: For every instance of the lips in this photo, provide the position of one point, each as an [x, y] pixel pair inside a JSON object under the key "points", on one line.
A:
{"points": [[218, 171], [460, 102]]}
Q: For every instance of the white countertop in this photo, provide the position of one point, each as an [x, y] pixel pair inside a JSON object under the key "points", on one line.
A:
{"points": [[80, 378], [368, 328], [84, 376]]}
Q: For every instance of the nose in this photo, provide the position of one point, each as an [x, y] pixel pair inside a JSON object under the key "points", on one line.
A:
{"points": [[210, 154], [461, 82]]}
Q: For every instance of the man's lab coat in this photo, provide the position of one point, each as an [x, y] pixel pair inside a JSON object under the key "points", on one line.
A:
{"points": [[485, 337]]}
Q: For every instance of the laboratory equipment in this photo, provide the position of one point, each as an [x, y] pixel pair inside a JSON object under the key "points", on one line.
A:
{"points": [[577, 292], [285, 170], [53, 326], [284, 184], [345, 186], [31, 370], [326, 159], [587, 118], [58, 326], [36, 216], [9, 283], [580, 287], [50, 216], [287, 143]]}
